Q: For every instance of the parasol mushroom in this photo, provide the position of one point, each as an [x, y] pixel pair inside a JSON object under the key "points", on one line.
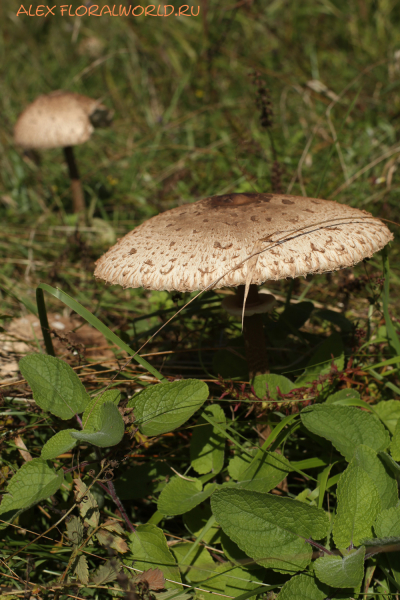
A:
{"points": [[61, 119], [242, 240]]}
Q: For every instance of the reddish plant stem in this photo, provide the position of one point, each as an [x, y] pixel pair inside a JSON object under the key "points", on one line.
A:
{"points": [[121, 508], [319, 546], [110, 490]]}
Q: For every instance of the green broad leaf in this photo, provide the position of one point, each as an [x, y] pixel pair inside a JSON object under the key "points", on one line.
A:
{"points": [[262, 474], [58, 444], [387, 525], [293, 317], [82, 570], [358, 505], [342, 395], [391, 464], [395, 443], [198, 566], [385, 483], [389, 412], [142, 480], [321, 361], [164, 407], [228, 580], [266, 385], [307, 587], [338, 572], [235, 554], [236, 580], [305, 496], [180, 495], [33, 482], [55, 385], [207, 446], [352, 401], [327, 421], [196, 519], [93, 409], [109, 428], [240, 462], [75, 531], [270, 529], [149, 550], [335, 318]]}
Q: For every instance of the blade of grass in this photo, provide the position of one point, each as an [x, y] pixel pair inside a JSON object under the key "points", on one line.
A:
{"points": [[309, 463], [97, 324], [276, 431], [392, 579], [393, 338], [29, 305], [322, 484], [260, 452], [202, 533], [321, 181], [44, 323], [385, 363], [387, 384]]}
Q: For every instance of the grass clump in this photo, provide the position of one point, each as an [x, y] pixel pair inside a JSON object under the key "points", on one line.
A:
{"points": [[244, 97]]}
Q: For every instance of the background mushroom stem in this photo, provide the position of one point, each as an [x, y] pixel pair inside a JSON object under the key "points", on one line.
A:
{"points": [[78, 199], [253, 333]]}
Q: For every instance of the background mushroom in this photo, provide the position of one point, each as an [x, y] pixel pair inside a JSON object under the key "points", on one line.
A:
{"points": [[242, 240], [61, 119]]}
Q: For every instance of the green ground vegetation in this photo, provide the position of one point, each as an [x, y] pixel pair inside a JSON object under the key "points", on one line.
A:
{"points": [[191, 97]]}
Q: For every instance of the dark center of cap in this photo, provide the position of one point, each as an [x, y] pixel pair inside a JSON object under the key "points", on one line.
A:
{"points": [[230, 200]]}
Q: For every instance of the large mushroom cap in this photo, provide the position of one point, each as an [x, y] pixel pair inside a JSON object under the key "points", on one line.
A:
{"points": [[210, 241], [56, 120]]}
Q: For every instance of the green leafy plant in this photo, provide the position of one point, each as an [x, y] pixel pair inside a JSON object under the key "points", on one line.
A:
{"points": [[155, 458], [285, 535]]}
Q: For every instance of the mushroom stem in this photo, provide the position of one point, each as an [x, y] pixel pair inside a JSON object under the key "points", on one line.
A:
{"points": [[255, 350], [253, 333], [78, 199]]}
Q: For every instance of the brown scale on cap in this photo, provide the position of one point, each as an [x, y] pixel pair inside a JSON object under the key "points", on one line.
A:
{"points": [[214, 238]]}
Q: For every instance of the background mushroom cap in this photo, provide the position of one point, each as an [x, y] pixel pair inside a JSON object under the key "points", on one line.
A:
{"points": [[210, 242], [56, 120]]}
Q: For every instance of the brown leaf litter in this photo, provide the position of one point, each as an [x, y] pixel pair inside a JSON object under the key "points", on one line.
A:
{"points": [[71, 337]]}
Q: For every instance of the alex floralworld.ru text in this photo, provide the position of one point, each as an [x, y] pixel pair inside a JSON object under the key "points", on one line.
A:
{"points": [[94, 10]]}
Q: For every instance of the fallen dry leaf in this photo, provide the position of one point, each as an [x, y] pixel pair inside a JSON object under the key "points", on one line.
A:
{"points": [[154, 578], [107, 539], [22, 449]]}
